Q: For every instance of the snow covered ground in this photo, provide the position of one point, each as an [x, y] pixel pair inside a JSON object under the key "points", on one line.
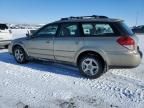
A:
{"points": [[18, 33], [49, 85]]}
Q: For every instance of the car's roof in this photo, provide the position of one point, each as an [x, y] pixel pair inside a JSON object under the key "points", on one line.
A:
{"points": [[88, 20]]}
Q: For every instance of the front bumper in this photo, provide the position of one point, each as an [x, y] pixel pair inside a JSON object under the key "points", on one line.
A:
{"points": [[5, 42]]}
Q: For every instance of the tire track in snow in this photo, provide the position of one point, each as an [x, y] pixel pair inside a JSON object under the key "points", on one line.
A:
{"points": [[121, 90]]}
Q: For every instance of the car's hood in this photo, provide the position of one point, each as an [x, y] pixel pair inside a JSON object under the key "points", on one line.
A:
{"points": [[20, 39]]}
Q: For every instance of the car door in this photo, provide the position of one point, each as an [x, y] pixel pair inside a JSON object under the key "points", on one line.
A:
{"points": [[67, 42], [42, 43]]}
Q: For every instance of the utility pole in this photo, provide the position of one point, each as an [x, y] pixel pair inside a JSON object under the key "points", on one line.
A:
{"points": [[137, 15]]}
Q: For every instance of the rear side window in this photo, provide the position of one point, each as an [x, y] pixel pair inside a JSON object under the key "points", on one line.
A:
{"points": [[97, 29], [125, 29], [3, 26], [69, 30]]}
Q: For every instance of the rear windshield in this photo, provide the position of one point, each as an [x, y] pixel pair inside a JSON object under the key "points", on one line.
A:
{"points": [[3, 26], [125, 28]]}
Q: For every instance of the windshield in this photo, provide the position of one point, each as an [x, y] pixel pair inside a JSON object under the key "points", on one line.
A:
{"points": [[3, 26]]}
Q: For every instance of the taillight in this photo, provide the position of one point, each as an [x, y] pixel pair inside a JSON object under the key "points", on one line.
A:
{"points": [[127, 42]]}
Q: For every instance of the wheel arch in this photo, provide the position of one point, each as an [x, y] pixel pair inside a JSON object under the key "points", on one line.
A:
{"points": [[15, 45], [98, 53]]}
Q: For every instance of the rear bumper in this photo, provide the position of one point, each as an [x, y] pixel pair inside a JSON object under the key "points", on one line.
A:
{"points": [[4, 42], [127, 60]]}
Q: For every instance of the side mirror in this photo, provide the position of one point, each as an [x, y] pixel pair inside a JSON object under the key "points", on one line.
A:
{"points": [[30, 33]]}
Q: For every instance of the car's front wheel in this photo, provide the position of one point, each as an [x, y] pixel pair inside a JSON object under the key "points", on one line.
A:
{"points": [[6, 46], [91, 66], [20, 55]]}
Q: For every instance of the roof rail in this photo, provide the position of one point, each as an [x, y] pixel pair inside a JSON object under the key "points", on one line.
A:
{"points": [[84, 17]]}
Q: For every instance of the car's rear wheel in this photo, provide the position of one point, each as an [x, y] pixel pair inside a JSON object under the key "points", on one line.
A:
{"points": [[91, 66], [20, 55]]}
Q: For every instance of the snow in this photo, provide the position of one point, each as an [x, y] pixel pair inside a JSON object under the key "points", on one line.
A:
{"points": [[41, 84], [18, 33]]}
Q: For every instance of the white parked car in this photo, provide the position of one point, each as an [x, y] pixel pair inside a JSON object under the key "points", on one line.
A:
{"points": [[5, 35]]}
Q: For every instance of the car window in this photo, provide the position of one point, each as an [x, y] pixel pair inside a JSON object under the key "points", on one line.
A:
{"points": [[48, 31], [97, 29], [125, 28], [3, 26], [68, 30], [103, 29]]}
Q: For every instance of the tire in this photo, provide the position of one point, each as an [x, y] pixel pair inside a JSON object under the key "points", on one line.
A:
{"points": [[20, 55], [91, 66], [6, 46]]}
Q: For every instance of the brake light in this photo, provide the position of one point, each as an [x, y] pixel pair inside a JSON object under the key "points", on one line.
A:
{"points": [[127, 42]]}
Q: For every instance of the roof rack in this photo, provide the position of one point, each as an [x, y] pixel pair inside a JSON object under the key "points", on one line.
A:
{"points": [[84, 17]]}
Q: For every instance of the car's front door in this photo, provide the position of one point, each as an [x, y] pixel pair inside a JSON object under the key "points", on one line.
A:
{"points": [[42, 43], [67, 42]]}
